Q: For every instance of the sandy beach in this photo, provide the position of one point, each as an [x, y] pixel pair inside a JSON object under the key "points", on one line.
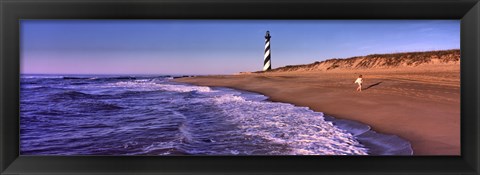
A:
{"points": [[420, 104]]}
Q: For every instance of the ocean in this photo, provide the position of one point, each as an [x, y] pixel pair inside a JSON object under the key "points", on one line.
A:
{"points": [[152, 115]]}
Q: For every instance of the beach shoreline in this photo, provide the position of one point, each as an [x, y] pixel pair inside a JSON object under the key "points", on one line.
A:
{"points": [[421, 105], [377, 143]]}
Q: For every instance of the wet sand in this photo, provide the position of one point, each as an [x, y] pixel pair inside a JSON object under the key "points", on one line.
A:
{"points": [[420, 104]]}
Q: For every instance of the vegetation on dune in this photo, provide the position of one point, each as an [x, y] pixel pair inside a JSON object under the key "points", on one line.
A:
{"points": [[405, 59]]}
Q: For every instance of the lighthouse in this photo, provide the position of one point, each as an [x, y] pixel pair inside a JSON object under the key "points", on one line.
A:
{"points": [[267, 63]]}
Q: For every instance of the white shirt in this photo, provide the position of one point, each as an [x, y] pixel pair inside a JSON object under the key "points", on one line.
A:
{"points": [[359, 81]]}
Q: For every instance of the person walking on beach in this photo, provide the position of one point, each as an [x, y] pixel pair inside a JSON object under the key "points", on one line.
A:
{"points": [[359, 81]]}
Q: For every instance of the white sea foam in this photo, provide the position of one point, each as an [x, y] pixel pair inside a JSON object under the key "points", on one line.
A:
{"points": [[40, 76], [182, 88], [302, 129], [32, 86], [143, 85], [143, 80]]}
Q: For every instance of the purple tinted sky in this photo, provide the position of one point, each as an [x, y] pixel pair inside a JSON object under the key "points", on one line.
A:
{"points": [[215, 46]]}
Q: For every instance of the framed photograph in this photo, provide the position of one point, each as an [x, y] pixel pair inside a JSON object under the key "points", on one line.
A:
{"points": [[239, 87]]}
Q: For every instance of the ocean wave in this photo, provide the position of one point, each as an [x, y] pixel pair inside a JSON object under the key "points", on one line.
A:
{"points": [[83, 102], [33, 87], [92, 106], [304, 130], [154, 86], [70, 95], [40, 76], [96, 126], [377, 143], [100, 78]]}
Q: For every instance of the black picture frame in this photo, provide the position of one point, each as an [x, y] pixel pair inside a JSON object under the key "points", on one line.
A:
{"points": [[11, 11]]}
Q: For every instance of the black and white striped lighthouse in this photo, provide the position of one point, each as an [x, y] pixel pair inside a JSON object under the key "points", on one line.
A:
{"points": [[267, 63]]}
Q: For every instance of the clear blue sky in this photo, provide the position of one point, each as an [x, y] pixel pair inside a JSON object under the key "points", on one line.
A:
{"points": [[216, 46]]}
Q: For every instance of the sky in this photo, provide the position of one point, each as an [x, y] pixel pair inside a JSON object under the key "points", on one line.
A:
{"points": [[215, 46]]}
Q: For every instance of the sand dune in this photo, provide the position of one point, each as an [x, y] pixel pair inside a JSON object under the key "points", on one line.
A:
{"points": [[419, 102], [379, 61]]}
